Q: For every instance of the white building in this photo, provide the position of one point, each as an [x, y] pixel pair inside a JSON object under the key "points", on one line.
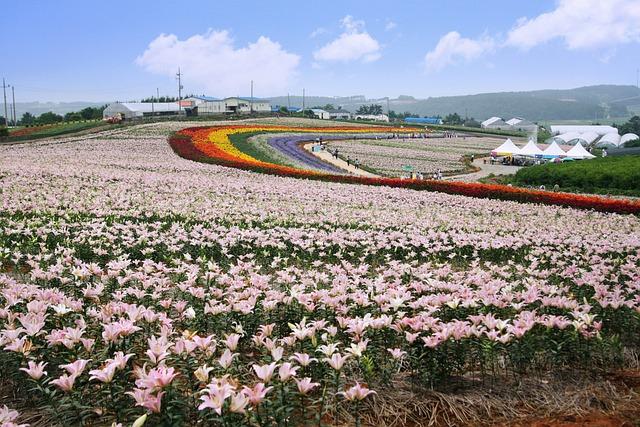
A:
{"points": [[521, 125], [132, 110], [339, 114], [599, 129], [321, 114], [628, 137], [372, 117], [494, 123], [205, 105]]}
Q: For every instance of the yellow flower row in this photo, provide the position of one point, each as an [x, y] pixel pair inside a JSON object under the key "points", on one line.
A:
{"points": [[220, 136]]}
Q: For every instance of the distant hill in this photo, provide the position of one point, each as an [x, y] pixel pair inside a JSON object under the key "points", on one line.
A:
{"points": [[595, 103], [584, 103]]}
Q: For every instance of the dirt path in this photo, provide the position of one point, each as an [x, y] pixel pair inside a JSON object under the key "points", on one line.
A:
{"points": [[327, 157], [486, 169]]}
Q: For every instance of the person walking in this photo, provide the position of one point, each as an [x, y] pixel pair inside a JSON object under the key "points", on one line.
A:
{"points": [[348, 161]]}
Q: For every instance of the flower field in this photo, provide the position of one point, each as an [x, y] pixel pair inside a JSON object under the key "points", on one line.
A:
{"points": [[139, 285], [426, 155]]}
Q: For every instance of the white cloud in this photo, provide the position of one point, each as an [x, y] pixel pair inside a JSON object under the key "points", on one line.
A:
{"points": [[453, 48], [212, 61], [581, 24], [352, 45], [390, 26], [317, 32]]}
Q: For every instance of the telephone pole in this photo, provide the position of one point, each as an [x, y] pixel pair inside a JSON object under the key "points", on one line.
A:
{"points": [[4, 91], [288, 104], [388, 109], [303, 102], [179, 76], [13, 96], [251, 103]]}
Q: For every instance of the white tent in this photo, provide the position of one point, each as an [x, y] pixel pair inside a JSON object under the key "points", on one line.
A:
{"points": [[628, 137], [531, 150], [508, 148], [554, 150], [579, 152]]}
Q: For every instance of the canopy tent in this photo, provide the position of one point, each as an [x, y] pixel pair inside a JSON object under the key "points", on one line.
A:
{"points": [[531, 150], [553, 151], [508, 148], [579, 152]]}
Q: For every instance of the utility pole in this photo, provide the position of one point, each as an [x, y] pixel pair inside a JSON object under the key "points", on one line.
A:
{"points": [[288, 104], [13, 96], [251, 103], [388, 109], [153, 113], [4, 91], [179, 76], [303, 102], [638, 78]]}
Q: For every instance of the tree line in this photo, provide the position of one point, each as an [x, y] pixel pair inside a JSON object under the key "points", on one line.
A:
{"points": [[48, 118]]}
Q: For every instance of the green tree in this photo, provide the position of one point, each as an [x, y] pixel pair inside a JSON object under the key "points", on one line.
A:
{"points": [[27, 119], [363, 109], [88, 113], [453, 119], [49, 118], [73, 116], [632, 126], [370, 109], [3, 121], [472, 123]]}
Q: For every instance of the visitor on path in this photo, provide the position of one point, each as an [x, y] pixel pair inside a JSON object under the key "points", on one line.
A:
{"points": [[356, 163], [604, 152], [348, 161], [335, 154]]}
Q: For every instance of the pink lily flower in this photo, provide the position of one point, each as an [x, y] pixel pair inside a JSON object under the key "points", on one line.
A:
{"points": [[356, 392], [265, 372], [35, 371]]}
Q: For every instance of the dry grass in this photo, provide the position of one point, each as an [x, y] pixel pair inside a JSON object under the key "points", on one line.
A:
{"points": [[506, 403]]}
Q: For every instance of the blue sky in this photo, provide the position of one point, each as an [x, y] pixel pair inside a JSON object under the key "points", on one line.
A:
{"points": [[79, 51]]}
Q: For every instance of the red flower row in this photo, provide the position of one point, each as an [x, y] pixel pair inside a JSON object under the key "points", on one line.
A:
{"points": [[184, 145]]}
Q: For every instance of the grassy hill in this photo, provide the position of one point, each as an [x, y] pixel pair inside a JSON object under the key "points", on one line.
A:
{"points": [[585, 103], [604, 175]]}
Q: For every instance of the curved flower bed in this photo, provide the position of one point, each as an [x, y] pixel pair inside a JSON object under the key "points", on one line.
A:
{"points": [[212, 144]]}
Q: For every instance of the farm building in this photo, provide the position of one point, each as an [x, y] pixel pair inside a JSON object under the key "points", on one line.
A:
{"points": [[600, 130], [321, 114], [424, 120], [494, 123], [372, 117], [132, 110], [339, 114], [523, 125], [204, 105], [628, 137]]}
